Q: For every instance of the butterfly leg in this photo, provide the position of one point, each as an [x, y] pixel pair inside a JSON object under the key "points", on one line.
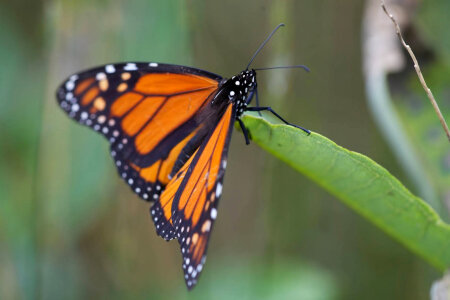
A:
{"points": [[250, 97], [257, 102], [268, 108], [244, 130]]}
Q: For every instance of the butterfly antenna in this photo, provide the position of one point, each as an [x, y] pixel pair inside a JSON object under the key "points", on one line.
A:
{"points": [[285, 67], [263, 44]]}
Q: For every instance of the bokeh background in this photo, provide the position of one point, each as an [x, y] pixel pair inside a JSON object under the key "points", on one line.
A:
{"points": [[71, 229]]}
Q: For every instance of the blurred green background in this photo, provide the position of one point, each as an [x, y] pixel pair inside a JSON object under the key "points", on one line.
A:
{"points": [[70, 228]]}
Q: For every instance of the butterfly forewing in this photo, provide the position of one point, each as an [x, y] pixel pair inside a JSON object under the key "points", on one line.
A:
{"points": [[149, 113]]}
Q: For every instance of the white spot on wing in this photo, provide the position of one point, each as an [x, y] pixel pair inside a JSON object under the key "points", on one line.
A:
{"points": [[153, 64], [70, 85], [75, 107], [100, 76], [110, 69], [218, 189], [130, 67], [101, 119], [213, 213], [206, 226]]}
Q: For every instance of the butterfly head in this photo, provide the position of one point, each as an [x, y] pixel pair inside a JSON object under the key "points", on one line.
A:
{"points": [[241, 88]]}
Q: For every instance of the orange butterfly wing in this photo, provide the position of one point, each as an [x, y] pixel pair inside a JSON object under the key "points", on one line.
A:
{"points": [[150, 113], [188, 206], [168, 138]]}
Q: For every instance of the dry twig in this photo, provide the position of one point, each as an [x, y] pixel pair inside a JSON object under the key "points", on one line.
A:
{"points": [[419, 72]]}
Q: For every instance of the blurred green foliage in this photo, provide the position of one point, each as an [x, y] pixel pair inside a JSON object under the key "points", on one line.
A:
{"points": [[433, 22], [424, 128], [430, 145], [69, 228]]}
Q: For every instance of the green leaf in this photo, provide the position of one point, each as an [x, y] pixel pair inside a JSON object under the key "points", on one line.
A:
{"points": [[360, 183]]}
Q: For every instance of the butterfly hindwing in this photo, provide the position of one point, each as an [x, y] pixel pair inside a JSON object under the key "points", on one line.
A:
{"points": [[188, 207], [147, 111]]}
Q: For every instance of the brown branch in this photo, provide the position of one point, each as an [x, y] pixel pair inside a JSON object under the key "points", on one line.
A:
{"points": [[419, 72]]}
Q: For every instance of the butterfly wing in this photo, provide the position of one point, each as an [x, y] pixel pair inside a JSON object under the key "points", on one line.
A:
{"points": [[188, 206], [166, 138], [149, 112]]}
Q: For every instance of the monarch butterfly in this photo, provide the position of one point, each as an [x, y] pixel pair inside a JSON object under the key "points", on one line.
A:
{"points": [[169, 128]]}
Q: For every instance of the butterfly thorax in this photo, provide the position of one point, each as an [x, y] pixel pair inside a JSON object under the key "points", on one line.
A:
{"points": [[239, 90]]}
